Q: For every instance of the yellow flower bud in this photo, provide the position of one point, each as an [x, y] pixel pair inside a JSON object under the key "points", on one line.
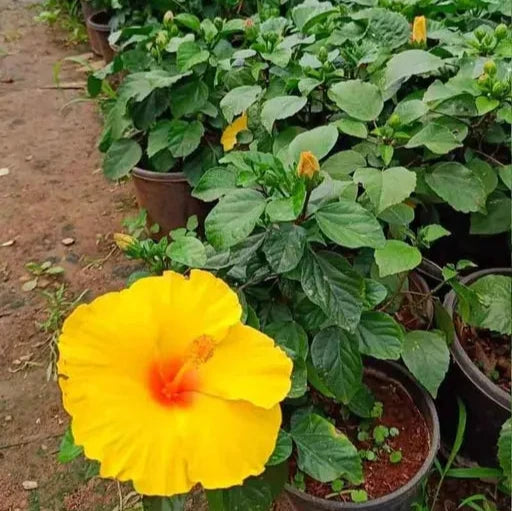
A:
{"points": [[124, 241], [168, 18], [308, 165], [419, 30]]}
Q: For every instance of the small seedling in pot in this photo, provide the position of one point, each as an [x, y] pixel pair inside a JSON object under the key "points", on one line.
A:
{"points": [[377, 410], [337, 485], [40, 273], [380, 434], [395, 457]]}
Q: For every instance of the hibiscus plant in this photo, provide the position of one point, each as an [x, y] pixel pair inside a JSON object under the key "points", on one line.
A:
{"points": [[330, 140]]}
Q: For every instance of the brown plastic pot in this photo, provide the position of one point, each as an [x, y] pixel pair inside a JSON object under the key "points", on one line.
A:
{"points": [[99, 31], [402, 498], [167, 198], [88, 11], [487, 405]]}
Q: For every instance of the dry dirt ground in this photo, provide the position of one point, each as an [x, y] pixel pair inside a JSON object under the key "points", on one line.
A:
{"points": [[52, 191]]}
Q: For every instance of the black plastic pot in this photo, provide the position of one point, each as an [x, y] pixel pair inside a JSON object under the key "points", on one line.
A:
{"points": [[403, 498], [488, 406], [167, 198], [99, 30]]}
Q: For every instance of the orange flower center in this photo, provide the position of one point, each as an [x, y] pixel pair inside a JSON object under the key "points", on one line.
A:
{"points": [[173, 382]]}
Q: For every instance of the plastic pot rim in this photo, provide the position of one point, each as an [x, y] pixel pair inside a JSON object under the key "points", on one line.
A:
{"points": [[462, 359]]}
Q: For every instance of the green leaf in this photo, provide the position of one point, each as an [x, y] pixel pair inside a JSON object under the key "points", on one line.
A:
{"points": [[348, 94], [290, 336], [484, 105], [284, 247], [299, 380], [430, 233], [427, 356], [352, 127], [68, 450], [238, 100], [374, 293], [121, 157], [287, 209], [323, 452], [399, 214], [190, 54], [189, 21], [146, 112], [379, 335], [505, 450], [280, 107], [158, 138], [436, 137], [319, 141], [485, 173], [506, 175], [493, 310], [409, 63], [410, 111], [188, 98], [184, 137], [138, 86], [188, 251], [336, 290], [342, 164], [350, 225], [234, 218], [498, 218], [306, 85], [176, 503], [283, 449], [254, 495], [335, 355], [449, 178], [386, 27], [388, 187], [395, 257], [214, 183], [444, 321], [363, 402], [308, 13]]}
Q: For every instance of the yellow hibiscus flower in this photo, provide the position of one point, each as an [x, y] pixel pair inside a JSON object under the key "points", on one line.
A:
{"points": [[308, 165], [167, 388], [228, 139], [419, 30]]}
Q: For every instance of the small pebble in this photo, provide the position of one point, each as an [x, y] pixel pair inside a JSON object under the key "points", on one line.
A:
{"points": [[29, 485], [38, 421], [4, 171], [8, 418], [8, 243], [68, 241]]}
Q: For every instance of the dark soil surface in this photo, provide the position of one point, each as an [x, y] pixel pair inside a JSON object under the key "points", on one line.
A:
{"points": [[489, 351], [381, 476]]}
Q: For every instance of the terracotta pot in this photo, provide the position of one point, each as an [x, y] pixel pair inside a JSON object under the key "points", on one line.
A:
{"points": [[167, 199], [402, 498], [99, 30], [488, 406], [87, 12]]}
